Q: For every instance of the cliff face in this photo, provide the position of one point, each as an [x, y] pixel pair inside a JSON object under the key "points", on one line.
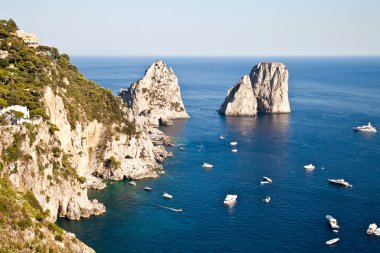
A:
{"points": [[265, 90], [156, 96]]}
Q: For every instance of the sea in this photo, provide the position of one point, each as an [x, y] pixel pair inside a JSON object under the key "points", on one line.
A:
{"points": [[328, 97]]}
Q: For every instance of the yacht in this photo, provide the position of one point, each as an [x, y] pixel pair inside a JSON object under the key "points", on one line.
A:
{"points": [[233, 143], [267, 199], [309, 167], [132, 183], [332, 241], [366, 128], [340, 182], [207, 165], [234, 150], [147, 188], [332, 221], [167, 195], [230, 199], [371, 229]]}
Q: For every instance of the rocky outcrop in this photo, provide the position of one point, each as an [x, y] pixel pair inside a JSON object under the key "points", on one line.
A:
{"points": [[156, 96], [264, 90]]}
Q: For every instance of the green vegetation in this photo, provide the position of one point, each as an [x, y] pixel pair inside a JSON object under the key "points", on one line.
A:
{"points": [[112, 163], [13, 152]]}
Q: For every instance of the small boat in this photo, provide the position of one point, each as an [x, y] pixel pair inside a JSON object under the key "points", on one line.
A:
{"points": [[132, 183], [264, 182], [366, 128], [182, 148], [233, 143], [207, 165], [309, 167], [147, 188], [178, 210], [221, 137], [335, 231], [340, 182], [267, 179], [234, 150], [332, 241], [333, 222], [230, 199], [371, 229], [267, 200], [161, 172], [377, 232], [167, 195]]}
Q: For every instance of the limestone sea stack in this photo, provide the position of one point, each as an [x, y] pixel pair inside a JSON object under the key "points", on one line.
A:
{"points": [[264, 90], [156, 96]]}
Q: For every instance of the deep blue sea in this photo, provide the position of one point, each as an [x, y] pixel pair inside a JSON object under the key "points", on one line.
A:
{"points": [[328, 97]]}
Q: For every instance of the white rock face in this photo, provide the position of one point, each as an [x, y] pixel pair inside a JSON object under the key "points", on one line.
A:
{"points": [[265, 90], [156, 96]]}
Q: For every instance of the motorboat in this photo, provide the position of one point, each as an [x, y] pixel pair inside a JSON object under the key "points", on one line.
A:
{"points": [[147, 188], [371, 229], [233, 143], [332, 241], [221, 137], [167, 195], [234, 150], [267, 180], [207, 165], [182, 148], [333, 222], [309, 167], [161, 172], [366, 128], [132, 183], [230, 199], [377, 232], [340, 182], [335, 230], [267, 200]]}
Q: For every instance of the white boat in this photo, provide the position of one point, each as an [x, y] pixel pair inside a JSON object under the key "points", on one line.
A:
{"points": [[147, 188], [377, 232], [234, 150], [207, 165], [132, 183], [333, 222], [221, 137], [332, 241], [366, 128], [230, 199], [233, 143], [371, 229], [267, 179], [167, 195], [340, 182], [181, 148], [309, 167], [267, 199], [335, 231]]}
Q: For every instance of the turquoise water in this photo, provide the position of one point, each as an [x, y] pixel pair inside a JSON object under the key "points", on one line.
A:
{"points": [[328, 97]]}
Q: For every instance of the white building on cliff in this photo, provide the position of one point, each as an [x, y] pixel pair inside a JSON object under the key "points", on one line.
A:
{"points": [[28, 38]]}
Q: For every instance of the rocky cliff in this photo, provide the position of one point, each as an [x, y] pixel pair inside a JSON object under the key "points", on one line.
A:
{"points": [[156, 96], [264, 90]]}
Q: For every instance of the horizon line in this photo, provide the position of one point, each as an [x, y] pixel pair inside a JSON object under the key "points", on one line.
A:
{"points": [[225, 56]]}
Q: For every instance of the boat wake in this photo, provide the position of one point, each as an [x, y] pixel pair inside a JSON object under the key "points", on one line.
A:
{"points": [[170, 208]]}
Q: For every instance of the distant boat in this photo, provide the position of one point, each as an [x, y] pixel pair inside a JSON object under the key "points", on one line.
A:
{"points": [[332, 222], [233, 143], [230, 199], [132, 183], [207, 165], [161, 172], [167, 195], [366, 128], [221, 137], [147, 188], [340, 182], [234, 150], [371, 229], [267, 200], [266, 180], [332, 241], [182, 148], [309, 167]]}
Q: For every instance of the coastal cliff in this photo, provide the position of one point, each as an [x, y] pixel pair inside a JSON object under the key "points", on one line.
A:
{"points": [[74, 134], [264, 90], [156, 96]]}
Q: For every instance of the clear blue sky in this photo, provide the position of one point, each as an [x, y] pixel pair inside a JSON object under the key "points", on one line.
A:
{"points": [[202, 27]]}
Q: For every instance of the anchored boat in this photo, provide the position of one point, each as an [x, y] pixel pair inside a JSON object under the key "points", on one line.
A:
{"points": [[167, 195], [333, 222], [366, 128], [207, 165], [340, 182], [332, 241], [230, 199]]}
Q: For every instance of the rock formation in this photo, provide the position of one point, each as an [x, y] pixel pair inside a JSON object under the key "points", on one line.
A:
{"points": [[156, 96], [264, 90]]}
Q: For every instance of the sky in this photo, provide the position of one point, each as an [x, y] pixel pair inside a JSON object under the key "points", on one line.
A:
{"points": [[202, 27]]}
